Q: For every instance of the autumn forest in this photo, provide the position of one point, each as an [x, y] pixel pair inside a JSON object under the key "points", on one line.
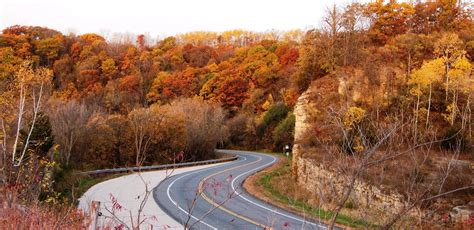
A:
{"points": [[78, 102]]}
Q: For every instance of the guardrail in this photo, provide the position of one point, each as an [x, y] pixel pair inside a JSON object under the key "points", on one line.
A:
{"points": [[158, 167]]}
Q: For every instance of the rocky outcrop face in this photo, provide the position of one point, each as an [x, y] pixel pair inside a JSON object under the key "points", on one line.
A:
{"points": [[310, 107], [311, 122], [328, 185], [302, 124], [312, 114]]}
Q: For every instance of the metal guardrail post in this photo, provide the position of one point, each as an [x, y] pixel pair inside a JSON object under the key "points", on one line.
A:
{"points": [[94, 210]]}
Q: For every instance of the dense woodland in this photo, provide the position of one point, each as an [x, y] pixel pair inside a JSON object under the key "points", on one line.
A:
{"points": [[80, 102]]}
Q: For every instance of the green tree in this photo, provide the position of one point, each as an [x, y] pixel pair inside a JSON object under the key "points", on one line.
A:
{"points": [[284, 132]]}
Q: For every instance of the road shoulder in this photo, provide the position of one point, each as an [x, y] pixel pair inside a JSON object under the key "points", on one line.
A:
{"points": [[128, 192], [252, 186]]}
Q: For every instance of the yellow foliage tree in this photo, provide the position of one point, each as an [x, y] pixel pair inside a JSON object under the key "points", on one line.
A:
{"points": [[22, 98], [353, 115], [266, 105], [423, 79], [461, 81]]}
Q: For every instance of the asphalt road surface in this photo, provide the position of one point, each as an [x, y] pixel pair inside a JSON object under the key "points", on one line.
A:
{"points": [[213, 198]]}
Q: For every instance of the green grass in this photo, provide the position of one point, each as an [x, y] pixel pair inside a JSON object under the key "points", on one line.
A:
{"points": [[265, 182], [81, 184], [84, 183]]}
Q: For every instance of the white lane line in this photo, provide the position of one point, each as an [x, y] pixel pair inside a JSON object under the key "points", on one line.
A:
{"points": [[177, 205], [259, 205]]}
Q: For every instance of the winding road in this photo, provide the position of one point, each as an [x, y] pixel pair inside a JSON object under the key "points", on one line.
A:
{"points": [[213, 198]]}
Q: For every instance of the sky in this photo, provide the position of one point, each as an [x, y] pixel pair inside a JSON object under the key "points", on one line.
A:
{"points": [[158, 18]]}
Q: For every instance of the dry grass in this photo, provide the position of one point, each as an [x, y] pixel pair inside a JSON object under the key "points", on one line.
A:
{"points": [[282, 191], [413, 173], [35, 216], [16, 212], [395, 175]]}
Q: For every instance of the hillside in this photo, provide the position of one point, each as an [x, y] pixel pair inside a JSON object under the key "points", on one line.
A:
{"points": [[377, 101]]}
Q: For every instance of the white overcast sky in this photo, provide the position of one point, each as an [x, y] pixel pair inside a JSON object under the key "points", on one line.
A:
{"points": [[161, 18]]}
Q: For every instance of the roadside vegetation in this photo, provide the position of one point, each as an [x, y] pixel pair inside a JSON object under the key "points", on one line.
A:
{"points": [[268, 182], [277, 186], [77, 102]]}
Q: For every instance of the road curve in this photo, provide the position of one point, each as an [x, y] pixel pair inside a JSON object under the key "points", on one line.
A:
{"points": [[213, 198]]}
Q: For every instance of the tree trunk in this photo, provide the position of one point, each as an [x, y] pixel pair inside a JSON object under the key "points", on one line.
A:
{"points": [[447, 79], [409, 65], [36, 108], [21, 107], [469, 114], [69, 147], [455, 105], [415, 139], [345, 197], [429, 108], [4, 153]]}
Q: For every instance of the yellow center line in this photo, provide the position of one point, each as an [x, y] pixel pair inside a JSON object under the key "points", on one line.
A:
{"points": [[220, 206]]}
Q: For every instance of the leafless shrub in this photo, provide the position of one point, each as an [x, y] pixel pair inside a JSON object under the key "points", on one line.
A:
{"points": [[370, 152]]}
